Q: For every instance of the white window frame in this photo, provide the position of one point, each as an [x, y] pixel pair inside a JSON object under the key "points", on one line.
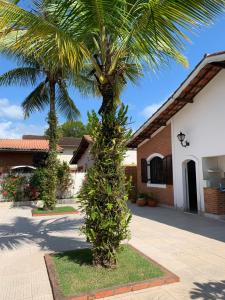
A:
{"points": [[154, 185]]}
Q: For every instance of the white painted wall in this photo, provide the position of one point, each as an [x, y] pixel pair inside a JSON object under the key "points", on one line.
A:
{"points": [[66, 155], [203, 122], [130, 158], [78, 179], [86, 160]]}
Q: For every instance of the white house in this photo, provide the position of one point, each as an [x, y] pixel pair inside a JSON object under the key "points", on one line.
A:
{"points": [[67, 145], [82, 156], [82, 160], [189, 128]]}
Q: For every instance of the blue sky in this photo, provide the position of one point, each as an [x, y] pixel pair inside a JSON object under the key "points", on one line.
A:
{"points": [[143, 99]]}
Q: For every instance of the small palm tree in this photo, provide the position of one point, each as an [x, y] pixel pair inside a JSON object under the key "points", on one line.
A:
{"points": [[107, 43], [50, 91]]}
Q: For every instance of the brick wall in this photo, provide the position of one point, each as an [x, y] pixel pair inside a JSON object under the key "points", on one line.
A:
{"points": [[160, 143], [11, 159], [214, 201]]}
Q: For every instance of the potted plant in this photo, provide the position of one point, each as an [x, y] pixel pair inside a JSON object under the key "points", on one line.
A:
{"points": [[133, 200], [151, 200], [141, 200]]}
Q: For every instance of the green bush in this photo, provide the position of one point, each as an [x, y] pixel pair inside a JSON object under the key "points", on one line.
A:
{"points": [[13, 187], [104, 193], [40, 179], [38, 184]]}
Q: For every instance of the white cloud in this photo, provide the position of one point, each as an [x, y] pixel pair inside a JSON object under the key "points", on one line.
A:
{"points": [[10, 111], [12, 130], [149, 110], [4, 127]]}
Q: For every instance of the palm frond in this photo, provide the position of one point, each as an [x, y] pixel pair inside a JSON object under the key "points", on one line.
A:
{"points": [[40, 37], [20, 76], [109, 36], [85, 82], [37, 99], [65, 104], [158, 29]]}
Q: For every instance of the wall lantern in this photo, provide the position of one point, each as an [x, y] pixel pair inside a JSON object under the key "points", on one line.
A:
{"points": [[181, 137]]}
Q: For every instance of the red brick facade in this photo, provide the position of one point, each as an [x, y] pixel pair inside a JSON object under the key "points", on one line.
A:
{"points": [[10, 159], [160, 143], [214, 201]]}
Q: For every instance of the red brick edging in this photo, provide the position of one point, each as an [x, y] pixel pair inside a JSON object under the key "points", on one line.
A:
{"points": [[56, 214], [167, 278]]}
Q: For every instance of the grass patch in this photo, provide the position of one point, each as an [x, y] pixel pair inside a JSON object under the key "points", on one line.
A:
{"points": [[62, 209], [76, 274]]}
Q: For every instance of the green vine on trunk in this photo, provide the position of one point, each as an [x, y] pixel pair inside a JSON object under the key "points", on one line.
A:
{"points": [[105, 192], [51, 163]]}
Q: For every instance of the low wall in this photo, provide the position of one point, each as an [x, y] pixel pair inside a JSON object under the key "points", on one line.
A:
{"points": [[78, 179]]}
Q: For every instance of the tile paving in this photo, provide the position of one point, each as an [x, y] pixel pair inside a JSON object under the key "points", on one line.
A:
{"points": [[191, 246]]}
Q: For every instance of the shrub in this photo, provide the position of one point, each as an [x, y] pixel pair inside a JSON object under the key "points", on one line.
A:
{"points": [[38, 184], [40, 179], [14, 187]]}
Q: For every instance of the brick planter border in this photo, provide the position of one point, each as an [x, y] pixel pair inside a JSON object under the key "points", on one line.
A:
{"points": [[167, 278], [55, 214]]}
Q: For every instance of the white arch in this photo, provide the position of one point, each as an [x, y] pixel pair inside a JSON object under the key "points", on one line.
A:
{"points": [[18, 167], [154, 155]]}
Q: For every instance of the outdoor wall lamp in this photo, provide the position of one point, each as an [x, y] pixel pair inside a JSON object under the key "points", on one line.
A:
{"points": [[181, 137]]}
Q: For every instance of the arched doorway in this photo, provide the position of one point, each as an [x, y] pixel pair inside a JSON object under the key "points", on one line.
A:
{"points": [[192, 187]]}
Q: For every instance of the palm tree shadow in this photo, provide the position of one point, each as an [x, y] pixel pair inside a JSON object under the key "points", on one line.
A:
{"points": [[81, 257], [212, 290], [47, 234]]}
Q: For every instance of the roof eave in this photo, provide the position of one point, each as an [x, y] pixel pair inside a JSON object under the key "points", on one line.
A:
{"points": [[84, 143], [206, 60]]}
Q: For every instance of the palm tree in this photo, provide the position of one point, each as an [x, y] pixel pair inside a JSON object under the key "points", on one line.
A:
{"points": [[107, 43], [51, 91]]}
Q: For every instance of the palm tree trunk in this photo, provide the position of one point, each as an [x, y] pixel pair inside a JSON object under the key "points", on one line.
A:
{"points": [[52, 119], [50, 200]]}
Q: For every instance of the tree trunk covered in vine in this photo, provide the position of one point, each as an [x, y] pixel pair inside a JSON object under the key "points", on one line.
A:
{"points": [[50, 199], [105, 192]]}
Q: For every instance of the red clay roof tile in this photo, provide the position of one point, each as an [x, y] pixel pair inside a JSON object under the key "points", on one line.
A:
{"points": [[24, 145]]}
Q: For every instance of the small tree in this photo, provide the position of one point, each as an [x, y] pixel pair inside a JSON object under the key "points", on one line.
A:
{"points": [[74, 129], [105, 191]]}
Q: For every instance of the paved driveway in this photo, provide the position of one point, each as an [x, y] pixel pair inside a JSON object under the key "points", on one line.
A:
{"points": [[23, 242], [193, 247]]}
